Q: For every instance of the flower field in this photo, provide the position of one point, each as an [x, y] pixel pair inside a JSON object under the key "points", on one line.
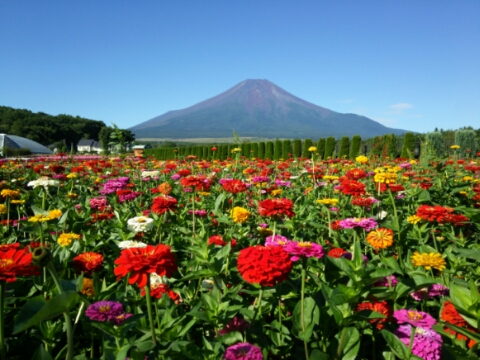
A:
{"points": [[115, 258]]}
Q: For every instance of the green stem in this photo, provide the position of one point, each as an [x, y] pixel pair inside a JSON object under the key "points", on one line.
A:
{"points": [[257, 310], [2, 325], [302, 305], [66, 314], [149, 310], [340, 344], [280, 321]]}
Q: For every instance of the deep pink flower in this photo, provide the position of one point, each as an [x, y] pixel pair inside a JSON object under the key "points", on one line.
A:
{"points": [[243, 351], [365, 223], [415, 318], [104, 311], [277, 240], [236, 324], [427, 344], [304, 248]]}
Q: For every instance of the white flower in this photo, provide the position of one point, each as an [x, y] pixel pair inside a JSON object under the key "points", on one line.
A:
{"points": [[150, 174], [139, 224], [156, 280], [381, 215], [43, 181], [127, 244]]}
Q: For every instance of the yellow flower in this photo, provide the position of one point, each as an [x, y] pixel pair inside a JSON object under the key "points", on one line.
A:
{"points": [[3, 209], [87, 288], [414, 219], [72, 195], [55, 214], [72, 176], [361, 159], [17, 202], [312, 149], [429, 261], [239, 214], [52, 214], [386, 178], [455, 147], [330, 177], [235, 150], [264, 231], [66, 239], [380, 238], [467, 178], [327, 202], [203, 193], [276, 192], [10, 193]]}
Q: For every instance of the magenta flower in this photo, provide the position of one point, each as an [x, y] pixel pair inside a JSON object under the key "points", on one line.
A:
{"points": [[104, 311], [304, 248], [387, 281], [437, 290], [352, 223], [427, 344], [277, 240], [415, 318], [236, 324], [243, 351]]}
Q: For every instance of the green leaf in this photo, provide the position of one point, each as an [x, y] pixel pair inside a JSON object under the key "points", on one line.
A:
{"points": [[122, 353], [220, 199], [198, 274], [424, 196], [460, 297], [391, 262], [396, 345], [468, 253], [231, 338], [41, 354], [311, 316], [318, 355], [343, 294], [351, 342], [32, 314]]}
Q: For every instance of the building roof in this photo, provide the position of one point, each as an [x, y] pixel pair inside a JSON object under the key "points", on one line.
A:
{"points": [[18, 142], [89, 142]]}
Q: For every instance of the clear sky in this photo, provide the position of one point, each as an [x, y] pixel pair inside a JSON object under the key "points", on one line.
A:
{"points": [[412, 65]]}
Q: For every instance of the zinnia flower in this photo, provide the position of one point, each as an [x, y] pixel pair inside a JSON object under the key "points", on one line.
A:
{"points": [[365, 223], [139, 262], [105, 311], [218, 240], [88, 262], [236, 324], [126, 244], [361, 159], [336, 252], [239, 214], [66, 239], [415, 318], [381, 307], [276, 208], [277, 240], [234, 186], [162, 204], [380, 238], [265, 266], [16, 262], [87, 287], [243, 351], [139, 224], [428, 261], [450, 314], [352, 187], [427, 344], [304, 248]]}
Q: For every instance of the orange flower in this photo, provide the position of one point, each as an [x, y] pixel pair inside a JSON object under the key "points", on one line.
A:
{"points": [[450, 315], [88, 262], [165, 188], [380, 238], [380, 307]]}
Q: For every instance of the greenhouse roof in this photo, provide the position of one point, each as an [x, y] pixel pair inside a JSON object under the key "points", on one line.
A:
{"points": [[17, 142]]}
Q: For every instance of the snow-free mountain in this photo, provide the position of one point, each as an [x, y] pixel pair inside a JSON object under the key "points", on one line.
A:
{"points": [[258, 108]]}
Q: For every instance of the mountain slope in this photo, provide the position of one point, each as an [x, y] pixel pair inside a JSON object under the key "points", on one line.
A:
{"points": [[258, 108]]}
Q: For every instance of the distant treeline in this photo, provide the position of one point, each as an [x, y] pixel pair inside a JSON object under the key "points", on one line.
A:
{"points": [[62, 131], [388, 145]]}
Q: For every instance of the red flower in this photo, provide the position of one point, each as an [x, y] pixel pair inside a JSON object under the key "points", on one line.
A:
{"points": [[379, 306], [265, 266], [336, 252], [363, 202], [184, 172], [356, 174], [193, 182], [234, 186], [157, 291], [432, 213], [102, 216], [16, 262], [277, 208], [140, 262], [162, 204], [88, 262], [450, 314], [352, 187], [218, 240]]}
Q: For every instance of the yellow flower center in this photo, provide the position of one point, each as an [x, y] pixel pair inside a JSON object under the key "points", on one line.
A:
{"points": [[104, 308], [414, 315], [305, 244]]}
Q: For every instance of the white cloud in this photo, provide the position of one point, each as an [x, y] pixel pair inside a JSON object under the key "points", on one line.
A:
{"points": [[385, 121], [401, 106], [347, 101]]}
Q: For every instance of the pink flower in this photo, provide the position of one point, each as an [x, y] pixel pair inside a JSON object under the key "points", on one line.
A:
{"points": [[243, 351], [236, 324], [304, 248], [387, 281], [277, 240], [365, 223], [427, 344], [415, 318]]}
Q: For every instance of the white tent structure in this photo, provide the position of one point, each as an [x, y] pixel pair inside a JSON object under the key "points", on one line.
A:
{"points": [[18, 142]]}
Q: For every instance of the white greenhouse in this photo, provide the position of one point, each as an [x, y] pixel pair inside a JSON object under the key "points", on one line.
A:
{"points": [[18, 142]]}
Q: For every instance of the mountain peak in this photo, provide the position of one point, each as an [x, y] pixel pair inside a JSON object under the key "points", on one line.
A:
{"points": [[258, 108]]}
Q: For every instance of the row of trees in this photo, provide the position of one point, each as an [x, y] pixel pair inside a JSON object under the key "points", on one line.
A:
{"points": [[63, 131], [381, 146]]}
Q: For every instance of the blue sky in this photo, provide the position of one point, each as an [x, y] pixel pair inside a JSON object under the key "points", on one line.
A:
{"points": [[411, 65]]}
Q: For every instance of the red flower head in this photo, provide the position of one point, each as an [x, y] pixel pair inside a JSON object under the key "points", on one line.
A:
{"points": [[234, 186], [88, 262], [16, 262], [196, 182], [363, 202], [162, 204], [352, 187], [140, 262], [336, 252], [356, 174], [263, 265], [432, 213], [158, 290], [450, 314], [276, 208], [379, 306], [218, 240]]}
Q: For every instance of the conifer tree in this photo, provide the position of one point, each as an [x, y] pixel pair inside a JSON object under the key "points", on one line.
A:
{"points": [[307, 143], [286, 149], [344, 147], [355, 147], [277, 150], [434, 142], [329, 147], [297, 148], [269, 150], [408, 146], [261, 150]]}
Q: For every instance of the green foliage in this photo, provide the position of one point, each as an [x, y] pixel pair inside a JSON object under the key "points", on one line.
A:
{"points": [[321, 147], [261, 150], [306, 144], [269, 150], [297, 148], [8, 152], [344, 147], [287, 149], [408, 146], [434, 141], [466, 139], [277, 150], [355, 147], [329, 147], [377, 146], [254, 150], [390, 148]]}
